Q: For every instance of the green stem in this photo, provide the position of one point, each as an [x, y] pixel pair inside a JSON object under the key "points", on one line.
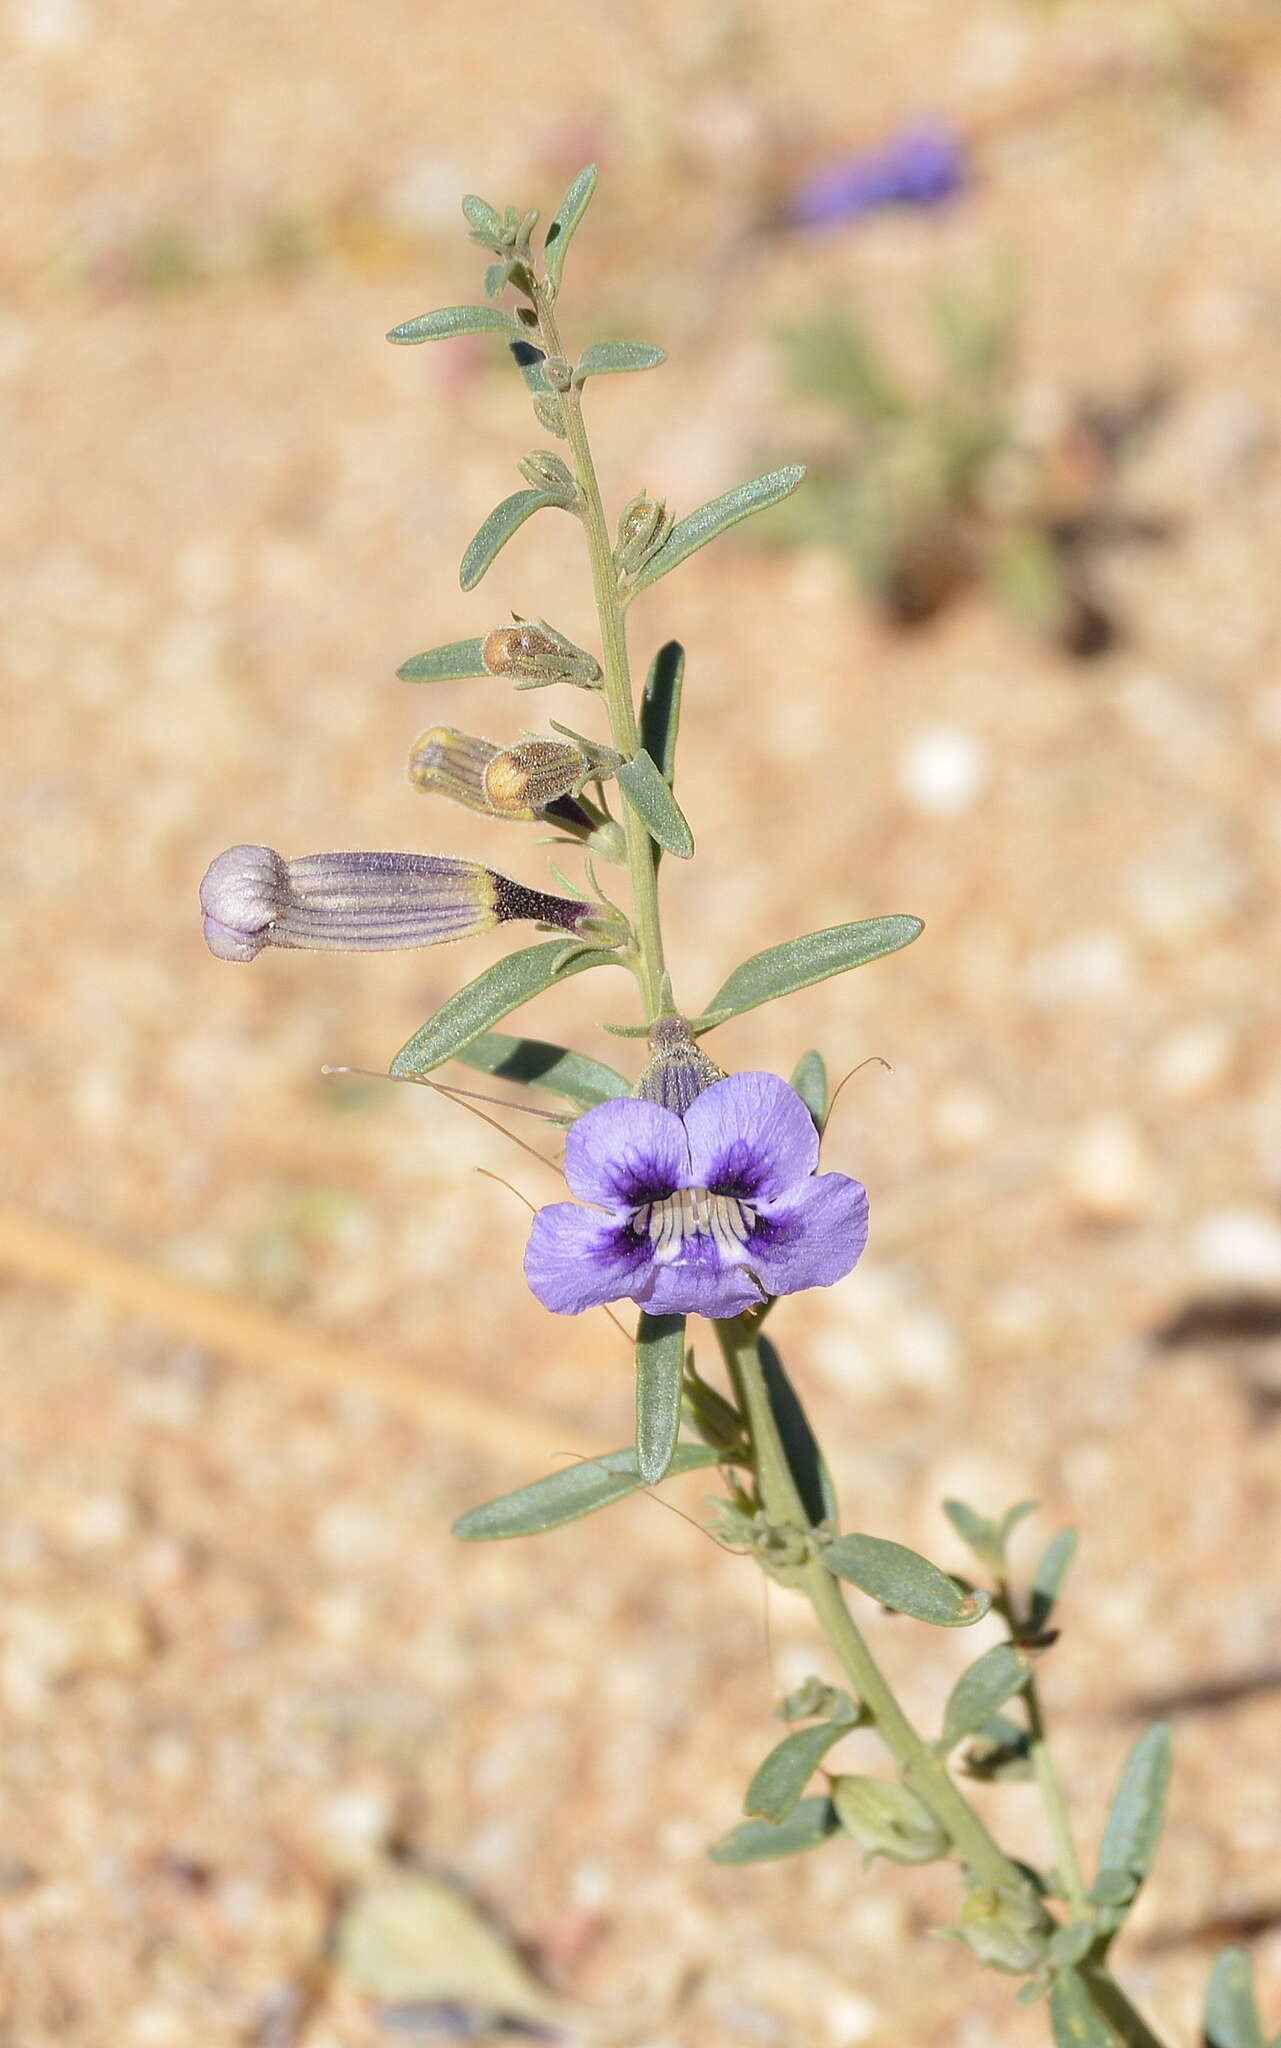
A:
{"points": [[648, 961], [1112, 2005], [923, 1771], [1067, 1862]]}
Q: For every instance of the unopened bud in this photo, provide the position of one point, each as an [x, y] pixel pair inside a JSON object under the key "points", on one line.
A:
{"points": [[559, 373], [533, 774], [643, 527], [363, 902], [1006, 1930], [548, 413], [888, 1820], [546, 472], [537, 654], [445, 762], [677, 1069]]}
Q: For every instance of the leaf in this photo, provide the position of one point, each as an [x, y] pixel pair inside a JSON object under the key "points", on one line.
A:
{"points": [[497, 530], [810, 1083], [1075, 2022], [568, 1495], [494, 994], [444, 664], [660, 1371], [715, 518], [660, 710], [998, 1674], [1048, 1577], [800, 1446], [799, 963], [480, 216], [1072, 1944], [1138, 1806], [642, 784], [410, 1938], [580, 1080], [1231, 2016], [529, 361], [449, 321], [973, 1529], [780, 1780], [759, 1841], [564, 222], [898, 1578], [605, 358]]}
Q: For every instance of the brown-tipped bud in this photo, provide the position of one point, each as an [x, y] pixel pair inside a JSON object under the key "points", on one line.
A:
{"points": [[642, 529], [537, 654], [1006, 1930], [533, 774], [546, 472], [676, 1070], [445, 762]]}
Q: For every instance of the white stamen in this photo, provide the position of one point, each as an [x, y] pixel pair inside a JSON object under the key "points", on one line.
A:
{"points": [[696, 1212]]}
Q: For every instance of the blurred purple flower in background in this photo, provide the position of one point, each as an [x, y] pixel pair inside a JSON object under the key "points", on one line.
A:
{"points": [[924, 165]]}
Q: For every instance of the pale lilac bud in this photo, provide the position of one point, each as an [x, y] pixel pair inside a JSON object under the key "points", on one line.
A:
{"points": [[362, 902]]}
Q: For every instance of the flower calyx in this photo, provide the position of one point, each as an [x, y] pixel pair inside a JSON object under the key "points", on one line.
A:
{"points": [[535, 654], [644, 524], [677, 1070]]}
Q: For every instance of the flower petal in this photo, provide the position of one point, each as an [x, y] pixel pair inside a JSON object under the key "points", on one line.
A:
{"points": [[750, 1136], [697, 1283], [625, 1153], [576, 1259], [811, 1238]]}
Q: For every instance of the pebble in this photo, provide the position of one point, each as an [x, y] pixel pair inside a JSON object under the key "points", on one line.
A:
{"points": [[1107, 1171], [1194, 1060], [1238, 1248], [944, 772]]}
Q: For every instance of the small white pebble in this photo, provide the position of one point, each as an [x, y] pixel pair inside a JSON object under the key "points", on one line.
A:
{"points": [[1107, 1171], [963, 1119], [944, 772], [1238, 1248], [1194, 1060], [849, 2019]]}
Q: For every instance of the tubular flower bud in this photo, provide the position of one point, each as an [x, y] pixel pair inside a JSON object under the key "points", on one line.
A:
{"points": [[445, 762], [888, 1820], [537, 654], [642, 529], [676, 1070], [534, 771], [547, 472], [1006, 1930], [362, 902]]}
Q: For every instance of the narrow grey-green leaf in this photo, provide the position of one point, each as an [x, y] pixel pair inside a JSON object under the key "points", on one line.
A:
{"points": [[800, 1446], [799, 963], [780, 1780], [447, 664], [1231, 2015], [497, 530], [759, 1841], [660, 1371], [974, 1529], [493, 995], [449, 321], [480, 216], [582, 1081], [607, 358], [1073, 2017], [568, 1495], [901, 1579], [1138, 1805], [1072, 1944], [810, 1083], [564, 221], [997, 1675], [688, 535], [641, 782], [529, 361], [1114, 1888], [1049, 1575], [660, 711]]}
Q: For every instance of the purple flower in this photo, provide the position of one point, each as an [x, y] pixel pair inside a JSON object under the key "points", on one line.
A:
{"points": [[920, 166], [706, 1213]]}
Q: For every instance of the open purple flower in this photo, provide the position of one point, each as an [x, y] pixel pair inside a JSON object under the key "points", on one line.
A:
{"points": [[706, 1213], [924, 166]]}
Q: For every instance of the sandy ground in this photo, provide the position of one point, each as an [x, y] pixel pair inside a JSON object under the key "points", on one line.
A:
{"points": [[241, 1660]]}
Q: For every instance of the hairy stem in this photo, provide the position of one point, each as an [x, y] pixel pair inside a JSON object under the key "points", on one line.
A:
{"points": [[619, 703], [922, 1770]]}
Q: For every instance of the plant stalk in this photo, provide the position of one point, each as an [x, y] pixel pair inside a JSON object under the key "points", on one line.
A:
{"points": [[647, 963]]}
